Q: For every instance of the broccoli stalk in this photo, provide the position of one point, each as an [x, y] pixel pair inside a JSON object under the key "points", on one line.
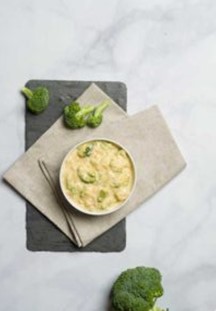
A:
{"points": [[155, 308], [96, 117], [37, 100], [137, 290], [27, 92], [75, 116]]}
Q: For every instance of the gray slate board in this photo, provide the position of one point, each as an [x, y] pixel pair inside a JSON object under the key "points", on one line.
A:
{"points": [[42, 235]]}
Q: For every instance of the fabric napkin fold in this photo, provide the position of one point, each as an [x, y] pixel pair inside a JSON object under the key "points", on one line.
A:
{"points": [[145, 135], [157, 158], [51, 176], [25, 175]]}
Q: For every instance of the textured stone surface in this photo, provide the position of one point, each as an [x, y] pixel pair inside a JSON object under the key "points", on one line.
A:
{"points": [[42, 235]]}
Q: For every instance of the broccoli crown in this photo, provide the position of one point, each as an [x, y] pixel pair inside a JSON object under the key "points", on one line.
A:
{"points": [[96, 117], [75, 116], [37, 100], [137, 289]]}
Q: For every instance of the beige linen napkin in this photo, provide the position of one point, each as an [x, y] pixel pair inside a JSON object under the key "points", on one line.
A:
{"points": [[25, 174], [145, 135]]}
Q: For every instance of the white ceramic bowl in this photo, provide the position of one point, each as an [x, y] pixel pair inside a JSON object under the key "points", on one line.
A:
{"points": [[80, 208]]}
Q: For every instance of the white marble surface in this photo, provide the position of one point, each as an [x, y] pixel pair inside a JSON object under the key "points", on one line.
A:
{"points": [[165, 51]]}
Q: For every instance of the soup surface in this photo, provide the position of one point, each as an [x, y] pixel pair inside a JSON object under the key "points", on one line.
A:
{"points": [[98, 175]]}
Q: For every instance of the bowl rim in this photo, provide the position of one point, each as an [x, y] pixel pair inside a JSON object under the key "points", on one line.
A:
{"points": [[77, 206]]}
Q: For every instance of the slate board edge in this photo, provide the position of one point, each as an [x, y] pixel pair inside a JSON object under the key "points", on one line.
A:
{"points": [[60, 248]]}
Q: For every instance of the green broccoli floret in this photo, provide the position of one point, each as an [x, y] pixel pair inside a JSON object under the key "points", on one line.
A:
{"points": [[37, 100], [88, 177], [137, 290], [96, 117], [85, 150], [75, 116], [102, 195]]}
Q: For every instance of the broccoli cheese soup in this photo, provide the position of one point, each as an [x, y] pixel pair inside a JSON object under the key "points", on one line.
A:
{"points": [[97, 176]]}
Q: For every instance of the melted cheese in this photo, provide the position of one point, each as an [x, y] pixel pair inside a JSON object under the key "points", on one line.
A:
{"points": [[98, 176]]}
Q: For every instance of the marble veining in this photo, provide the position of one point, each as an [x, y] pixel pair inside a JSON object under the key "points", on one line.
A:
{"points": [[165, 52]]}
